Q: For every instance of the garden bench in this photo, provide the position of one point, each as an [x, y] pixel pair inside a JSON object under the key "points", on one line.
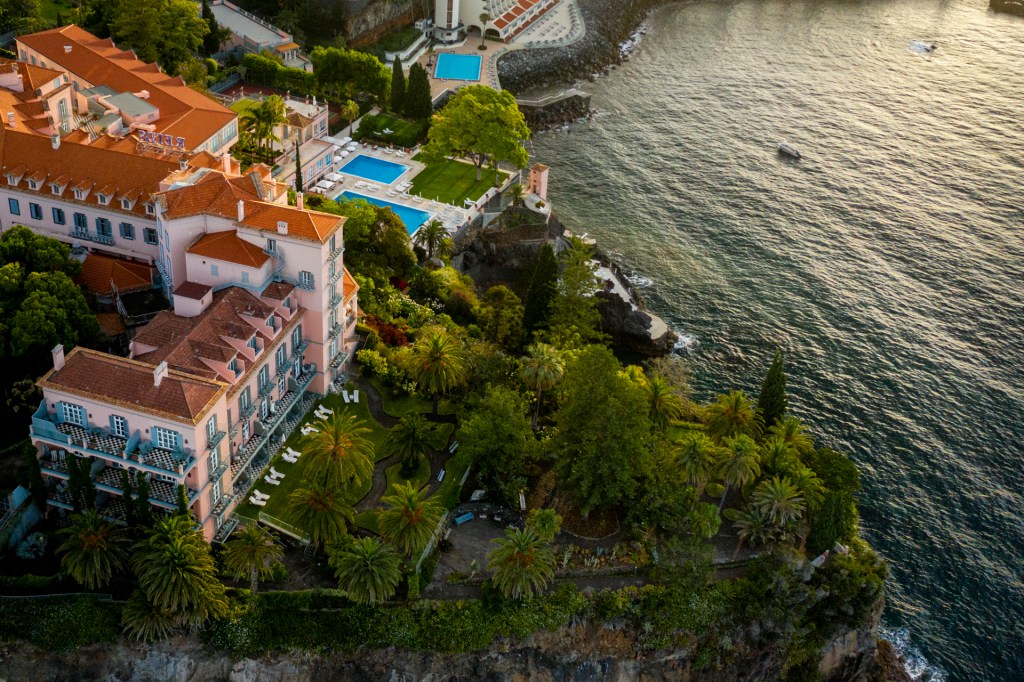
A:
{"points": [[459, 520]]}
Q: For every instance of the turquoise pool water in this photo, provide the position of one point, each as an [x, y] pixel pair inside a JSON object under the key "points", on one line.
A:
{"points": [[460, 67], [412, 217], [374, 169]]}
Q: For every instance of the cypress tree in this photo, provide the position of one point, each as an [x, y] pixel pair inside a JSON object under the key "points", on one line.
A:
{"points": [[419, 104], [143, 513], [32, 476], [211, 41], [127, 490], [772, 402], [543, 287], [182, 501], [397, 87], [298, 169]]}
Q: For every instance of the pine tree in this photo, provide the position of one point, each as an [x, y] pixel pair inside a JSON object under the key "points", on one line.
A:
{"points": [[772, 402], [143, 513], [418, 103], [212, 40], [543, 287], [397, 87], [298, 169]]}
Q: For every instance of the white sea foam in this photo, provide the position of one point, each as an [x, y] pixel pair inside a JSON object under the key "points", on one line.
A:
{"points": [[687, 343], [916, 665]]}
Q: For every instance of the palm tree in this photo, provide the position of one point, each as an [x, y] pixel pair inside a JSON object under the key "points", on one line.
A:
{"points": [[546, 523], [791, 430], [810, 486], [737, 464], [752, 527], [485, 18], [367, 569], [516, 192], [253, 553], [321, 511], [697, 459], [350, 112], [779, 499], [432, 236], [732, 415], [409, 519], [777, 457], [411, 437], [523, 563], [664, 403], [436, 363], [261, 120], [144, 621], [541, 370], [94, 549], [338, 453], [177, 574]]}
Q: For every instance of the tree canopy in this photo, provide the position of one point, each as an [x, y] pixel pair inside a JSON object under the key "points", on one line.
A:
{"points": [[342, 72], [498, 437], [168, 32], [773, 401]]}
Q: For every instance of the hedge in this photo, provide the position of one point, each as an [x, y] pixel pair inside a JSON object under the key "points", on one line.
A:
{"points": [[59, 623]]}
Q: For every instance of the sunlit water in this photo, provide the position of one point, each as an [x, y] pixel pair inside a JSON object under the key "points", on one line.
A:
{"points": [[889, 262]]}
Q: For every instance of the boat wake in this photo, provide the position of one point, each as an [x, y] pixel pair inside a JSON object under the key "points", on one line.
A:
{"points": [[916, 665]]}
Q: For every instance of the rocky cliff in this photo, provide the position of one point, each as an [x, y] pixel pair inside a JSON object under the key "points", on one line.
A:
{"points": [[1008, 6]]}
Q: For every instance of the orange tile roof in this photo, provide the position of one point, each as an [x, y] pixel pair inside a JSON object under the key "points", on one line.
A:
{"points": [[228, 246], [287, 46], [278, 291], [129, 384], [183, 111], [302, 223], [349, 285], [98, 272], [36, 76], [111, 324]]}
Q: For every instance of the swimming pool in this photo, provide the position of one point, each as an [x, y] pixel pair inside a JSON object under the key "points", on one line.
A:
{"points": [[460, 67], [374, 169], [412, 217]]}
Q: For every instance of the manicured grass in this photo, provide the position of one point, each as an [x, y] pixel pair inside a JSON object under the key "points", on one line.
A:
{"points": [[399, 406], [452, 182], [420, 476], [404, 133], [243, 105]]}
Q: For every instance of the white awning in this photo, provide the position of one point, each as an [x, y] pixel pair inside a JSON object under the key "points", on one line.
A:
{"points": [[332, 177], [323, 184]]}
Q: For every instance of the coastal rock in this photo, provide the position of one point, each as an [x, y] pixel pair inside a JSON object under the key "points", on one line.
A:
{"points": [[366, 20], [634, 330]]}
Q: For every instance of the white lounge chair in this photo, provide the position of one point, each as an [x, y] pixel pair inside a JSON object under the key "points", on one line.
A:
{"points": [[344, 396], [271, 481], [308, 429], [275, 473], [292, 453], [260, 496], [355, 396], [290, 459], [326, 410], [259, 502]]}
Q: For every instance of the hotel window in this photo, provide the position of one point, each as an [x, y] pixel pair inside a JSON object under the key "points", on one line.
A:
{"points": [[55, 189], [233, 366], [263, 378], [79, 194], [36, 211], [214, 460], [297, 336], [244, 400], [81, 223], [119, 426], [216, 491], [126, 205], [149, 235], [271, 323], [102, 198], [73, 414], [32, 184], [214, 270], [58, 216], [103, 228], [127, 231], [305, 279], [332, 269], [334, 240], [252, 344], [14, 206], [211, 427], [149, 208], [282, 357], [245, 277], [166, 439], [319, 163], [271, 246]]}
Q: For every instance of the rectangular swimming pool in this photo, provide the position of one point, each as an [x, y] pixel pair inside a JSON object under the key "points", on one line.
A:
{"points": [[374, 169], [412, 217], [460, 67]]}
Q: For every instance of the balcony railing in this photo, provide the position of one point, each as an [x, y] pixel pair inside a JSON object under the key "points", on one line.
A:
{"points": [[81, 234], [298, 350], [225, 530], [336, 329], [219, 471], [337, 252], [211, 443], [104, 239], [222, 504], [266, 388], [335, 300], [337, 275], [247, 411]]}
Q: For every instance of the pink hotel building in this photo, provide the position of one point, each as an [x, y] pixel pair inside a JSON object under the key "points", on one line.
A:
{"points": [[263, 316]]}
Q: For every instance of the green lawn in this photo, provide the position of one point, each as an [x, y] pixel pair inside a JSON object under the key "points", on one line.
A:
{"points": [[368, 520], [243, 105], [399, 406], [452, 182], [448, 493], [419, 476], [404, 133]]}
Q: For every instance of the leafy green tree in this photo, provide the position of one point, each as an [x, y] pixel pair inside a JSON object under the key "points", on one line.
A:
{"points": [[686, 562], [143, 510], [252, 553], [777, 457], [409, 518], [791, 430], [338, 452], [543, 289], [738, 464], [663, 402], [419, 103], [345, 73], [216, 35], [604, 432], [411, 438], [176, 573], [779, 500], [541, 370], [501, 317], [703, 520], [545, 523], [498, 439], [732, 415], [834, 521], [436, 363], [367, 569], [753, 527], [574, 319], [773, 402], [482, 124], [397, 103], [165, 31], [433, 236], [93, 549], [523, 564], [31, 476], [698, 458], [376, 241], [320, 510], [37, 253]]}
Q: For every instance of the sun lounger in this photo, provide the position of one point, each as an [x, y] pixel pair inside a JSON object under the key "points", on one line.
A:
{"points": [[271, 481], [275, 473], [292, 453], [344, 396], [260, 496], [259, 502], [290, 459], [355, 396], [440, 475], [308, 429]]}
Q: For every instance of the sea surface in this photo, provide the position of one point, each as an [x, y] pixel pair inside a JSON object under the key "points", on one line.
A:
{"points": [[888, 263]]}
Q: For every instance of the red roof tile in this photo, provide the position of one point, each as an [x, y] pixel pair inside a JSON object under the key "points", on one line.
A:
{"points": [[228, 246], [101, 273]]}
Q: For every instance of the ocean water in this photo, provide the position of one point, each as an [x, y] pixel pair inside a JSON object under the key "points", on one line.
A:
{"points": [[888, 263]]}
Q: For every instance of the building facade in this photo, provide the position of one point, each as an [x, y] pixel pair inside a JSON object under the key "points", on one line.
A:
{"points": [[455, 19]]}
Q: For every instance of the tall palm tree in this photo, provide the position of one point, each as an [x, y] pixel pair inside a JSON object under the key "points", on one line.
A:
{"points": [[409, 519], [516, 192], [436, 363], [144, 621], [779, 499], [791, 430], [252, 553], [176, 572], [541, 370], [350, 112], [523, 564], [697, 458], [321, 511], [93, 550], [411, 437], [367, 569], [338, 453], [432, 237], [732, 415], [752, 527], [485, 18], [777, 457], [737, 464], [810, 486], [663, 402]]}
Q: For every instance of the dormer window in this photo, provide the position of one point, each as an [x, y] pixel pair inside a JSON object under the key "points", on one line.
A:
{"points": [[13, 179], [252, 342], [149, 208], [126, 204], [270, 322], [80, 194], [102, 198], [233, 366], [32, 184], [55, 189]]}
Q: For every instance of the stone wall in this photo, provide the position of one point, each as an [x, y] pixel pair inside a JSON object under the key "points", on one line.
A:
{"points": [[366, 20]]}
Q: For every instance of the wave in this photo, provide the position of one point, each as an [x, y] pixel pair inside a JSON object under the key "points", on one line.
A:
{"points": [[687, 343], [914, 662]]}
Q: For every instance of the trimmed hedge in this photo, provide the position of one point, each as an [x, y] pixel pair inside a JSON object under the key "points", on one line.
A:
{"points": [[59, 623]]}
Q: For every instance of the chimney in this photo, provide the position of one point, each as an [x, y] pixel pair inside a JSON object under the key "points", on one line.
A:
{"points": [[183, 164], [159, 373], [55, 141], [299, 203], [10, 118], [241, 210], [67, 49], [282, 227], [226, 159], [58, 356]]}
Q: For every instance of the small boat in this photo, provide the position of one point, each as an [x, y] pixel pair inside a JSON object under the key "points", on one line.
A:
{"points": [[788, 151]]}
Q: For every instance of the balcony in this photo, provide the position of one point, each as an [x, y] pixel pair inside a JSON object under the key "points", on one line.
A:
{"points": [[167, 461], [219, 471], [222, 505], [265, 389], [337, 252], [339, 273], [81, 234], [299, 349], [225, 530], [339, 360], [335, 300], [215, 441], [246, 412], [336, 329], [54, 463], [104, 239]]}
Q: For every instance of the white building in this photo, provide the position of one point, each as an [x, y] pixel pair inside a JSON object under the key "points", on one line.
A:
{"points": [[456, 19]]}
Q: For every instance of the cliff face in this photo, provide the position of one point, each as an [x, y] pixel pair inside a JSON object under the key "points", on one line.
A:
{"points": [[572, 653], [1008, 6]]}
